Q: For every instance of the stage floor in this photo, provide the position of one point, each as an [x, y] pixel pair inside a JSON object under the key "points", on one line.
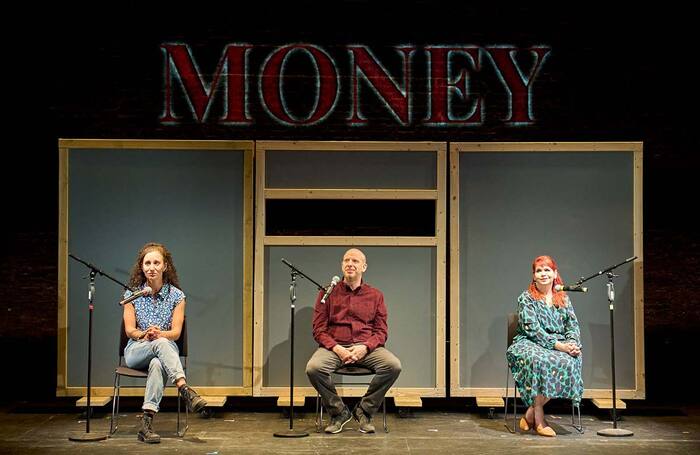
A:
{"points": [[25, 431]]}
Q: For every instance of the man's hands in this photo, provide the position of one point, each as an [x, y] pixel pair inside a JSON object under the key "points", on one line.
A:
{"points": [[352, 354]]}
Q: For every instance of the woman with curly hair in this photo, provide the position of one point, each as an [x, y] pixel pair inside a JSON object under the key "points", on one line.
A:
{"points": [[153, 323]]}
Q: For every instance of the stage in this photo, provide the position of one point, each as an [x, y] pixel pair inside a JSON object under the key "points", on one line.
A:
{"points": [[656, 430]]}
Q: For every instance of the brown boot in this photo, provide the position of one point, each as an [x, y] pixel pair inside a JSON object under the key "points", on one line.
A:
{"points": [[194, 402], [146, 433]]}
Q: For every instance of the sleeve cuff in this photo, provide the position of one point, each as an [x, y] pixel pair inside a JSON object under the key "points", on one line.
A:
{"points": [[328, 344], [551, 342]]}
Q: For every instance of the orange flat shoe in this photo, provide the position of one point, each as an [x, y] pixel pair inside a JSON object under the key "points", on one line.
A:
{"points": [[523, 424], [545, 431]]}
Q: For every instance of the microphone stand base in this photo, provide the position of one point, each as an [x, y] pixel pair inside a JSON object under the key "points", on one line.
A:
{"points": [[291, 434], [87, 437], [615, 432]]}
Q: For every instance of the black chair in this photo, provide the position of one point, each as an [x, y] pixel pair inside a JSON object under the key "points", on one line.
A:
{"points": [[123, 370], [512, 330], [348, 370]]}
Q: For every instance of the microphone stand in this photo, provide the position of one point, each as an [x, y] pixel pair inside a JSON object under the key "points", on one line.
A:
{"points": [[94, 271], [614, 431], [291, 432]]}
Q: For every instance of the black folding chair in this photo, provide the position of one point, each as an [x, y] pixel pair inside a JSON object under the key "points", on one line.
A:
{"points": [[349, 370], [123, 370]]}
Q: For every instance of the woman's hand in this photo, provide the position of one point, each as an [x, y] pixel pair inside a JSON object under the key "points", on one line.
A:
{"points": [[570, 348], [153, 333]]}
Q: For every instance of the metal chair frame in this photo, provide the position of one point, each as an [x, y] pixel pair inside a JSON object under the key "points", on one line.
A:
{"points": [[512, 327], [346, 370], [123, 370]]}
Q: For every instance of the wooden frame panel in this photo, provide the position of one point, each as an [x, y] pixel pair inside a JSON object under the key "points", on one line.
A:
{"points": [[636, 149], [261, 241], [62, 389]]}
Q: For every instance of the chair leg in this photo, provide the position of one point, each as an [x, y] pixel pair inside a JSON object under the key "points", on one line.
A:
{"points": [[187, 418], [187, 425], [515, 404], [386, 428], [114, 421], [578, 428], [319, 413]]}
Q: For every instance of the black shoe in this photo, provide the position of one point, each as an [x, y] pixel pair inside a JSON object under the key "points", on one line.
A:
{"points": [[146, 433], [366, 425], [194, 402], [339, 421]]}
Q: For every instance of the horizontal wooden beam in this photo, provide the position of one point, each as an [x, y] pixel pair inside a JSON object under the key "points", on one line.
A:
{"points": [[625, 394], [135, 391], [155, 144], [349, 146], [335, 193], [546, 146], [348, 240]]}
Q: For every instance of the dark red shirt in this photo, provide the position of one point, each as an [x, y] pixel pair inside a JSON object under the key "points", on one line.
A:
{"points": [[351, 317]]}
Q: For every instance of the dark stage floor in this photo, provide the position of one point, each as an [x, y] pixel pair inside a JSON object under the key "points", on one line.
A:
{"points": [[24, 431]]}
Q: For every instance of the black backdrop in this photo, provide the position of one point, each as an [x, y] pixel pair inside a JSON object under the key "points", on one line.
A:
{"points": [[613, 75]]}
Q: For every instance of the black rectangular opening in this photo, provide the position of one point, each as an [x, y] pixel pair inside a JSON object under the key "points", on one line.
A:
{"points": [[319, 217]]}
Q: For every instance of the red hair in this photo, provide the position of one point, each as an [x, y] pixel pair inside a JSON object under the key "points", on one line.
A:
{"points": [[558, 298]]}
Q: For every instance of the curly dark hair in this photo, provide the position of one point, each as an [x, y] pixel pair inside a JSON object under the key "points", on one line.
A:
{"points": [[137, 277]]}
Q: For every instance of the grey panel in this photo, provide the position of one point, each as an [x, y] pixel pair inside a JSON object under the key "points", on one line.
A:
{"points": [[406, 170], [406, 276], [191, 201], [575, 207]]}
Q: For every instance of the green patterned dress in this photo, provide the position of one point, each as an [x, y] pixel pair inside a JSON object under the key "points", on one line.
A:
{"points": [[539, 369]]}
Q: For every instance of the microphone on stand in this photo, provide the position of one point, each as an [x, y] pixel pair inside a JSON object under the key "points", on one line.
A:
{"points": [[330, 287], [145, 291], [574, 288]]}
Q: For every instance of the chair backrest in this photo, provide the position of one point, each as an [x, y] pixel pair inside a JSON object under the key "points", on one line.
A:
{"points": [[512, 327], [181, 342]]}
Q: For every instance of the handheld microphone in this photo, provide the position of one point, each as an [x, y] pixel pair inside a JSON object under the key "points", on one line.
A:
{"points": [[145, 291], [574, 288], [330, 287]]}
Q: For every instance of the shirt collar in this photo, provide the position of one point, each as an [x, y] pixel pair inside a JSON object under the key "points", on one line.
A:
{"points": [[163, 293], [357, 289]]}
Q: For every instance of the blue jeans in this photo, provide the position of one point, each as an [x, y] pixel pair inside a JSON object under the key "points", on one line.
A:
{"points": [[162, 359]]}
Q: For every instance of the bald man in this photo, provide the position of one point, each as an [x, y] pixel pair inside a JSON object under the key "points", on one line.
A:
{"points": [[351, 329]]}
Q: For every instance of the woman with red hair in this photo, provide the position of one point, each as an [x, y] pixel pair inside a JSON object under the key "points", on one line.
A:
{"points": [[545, 356]]}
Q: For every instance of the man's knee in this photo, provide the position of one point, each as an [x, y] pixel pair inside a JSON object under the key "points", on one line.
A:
{"points": [[319, 365], [391, 365], [312, 368], [395, 366]]}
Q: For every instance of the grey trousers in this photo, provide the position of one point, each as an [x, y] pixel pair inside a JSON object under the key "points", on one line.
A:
{"points": [[323, 362]]}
